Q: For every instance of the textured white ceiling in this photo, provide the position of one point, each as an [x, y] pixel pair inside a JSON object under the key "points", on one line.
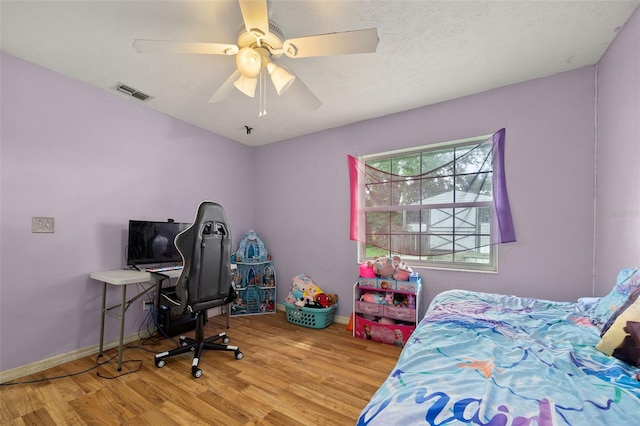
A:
{"points": [[429, 52]]}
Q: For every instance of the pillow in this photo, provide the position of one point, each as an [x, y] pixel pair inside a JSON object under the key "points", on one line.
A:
{"points": [[622, 339], [628, 279], [632, 298], [585, 303]]}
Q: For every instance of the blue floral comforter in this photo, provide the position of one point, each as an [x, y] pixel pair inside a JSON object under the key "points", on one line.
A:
{"points": [[488, 359]]}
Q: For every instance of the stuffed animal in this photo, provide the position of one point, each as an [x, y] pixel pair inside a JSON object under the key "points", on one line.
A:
{"points": [[333, 297], [323, 300], [373, 297], [312, 304], [326, 300], [290, 299], [383, 267], [300, 280], [366, 270], [402, 272], [310, 292], [298, 284], [304, 293], [388, 298]]}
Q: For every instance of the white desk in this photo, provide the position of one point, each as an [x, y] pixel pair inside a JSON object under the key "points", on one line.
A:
{"points": [[122, 277]]}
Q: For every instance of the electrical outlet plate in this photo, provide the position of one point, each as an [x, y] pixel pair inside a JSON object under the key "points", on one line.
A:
{"points": [[42, 225]]}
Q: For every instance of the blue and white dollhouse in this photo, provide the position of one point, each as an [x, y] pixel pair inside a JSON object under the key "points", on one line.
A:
{"points": [[255, 281]]}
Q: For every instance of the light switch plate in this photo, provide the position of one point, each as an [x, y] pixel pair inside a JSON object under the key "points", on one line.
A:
{"points": [[42, 225]]}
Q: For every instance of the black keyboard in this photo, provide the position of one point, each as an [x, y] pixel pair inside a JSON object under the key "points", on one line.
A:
{"points": [[164, 268]]}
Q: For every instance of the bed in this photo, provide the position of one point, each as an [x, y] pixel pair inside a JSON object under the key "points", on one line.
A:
{"points": [[489, 359]]}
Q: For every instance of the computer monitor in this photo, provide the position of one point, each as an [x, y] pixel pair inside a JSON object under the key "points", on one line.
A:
{"points": [[153, 242]]}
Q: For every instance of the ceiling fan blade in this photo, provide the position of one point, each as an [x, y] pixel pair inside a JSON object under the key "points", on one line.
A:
{"points": [[224, 90], [305, 97], [359, 41], [255, 16], [163, 46]]}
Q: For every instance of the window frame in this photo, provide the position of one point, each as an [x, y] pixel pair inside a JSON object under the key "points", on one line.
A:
{"points": [[491, 266]]}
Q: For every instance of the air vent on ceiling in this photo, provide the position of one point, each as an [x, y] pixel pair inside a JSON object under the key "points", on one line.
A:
{"points": [[123, 88]]}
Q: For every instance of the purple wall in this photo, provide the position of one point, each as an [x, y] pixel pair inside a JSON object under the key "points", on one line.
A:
{"points": [[92, 160], [617, 169], [303, 190]]}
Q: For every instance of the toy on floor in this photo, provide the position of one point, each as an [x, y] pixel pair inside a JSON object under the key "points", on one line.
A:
{"points": [[309, 294], [298, 284], [326, 300], [305, 293]]}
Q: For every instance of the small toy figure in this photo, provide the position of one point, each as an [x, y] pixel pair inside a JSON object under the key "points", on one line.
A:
{"points": [[239, 306], [399, 342], [367, 332], [267, 305], [412, 301], [401, 301]]}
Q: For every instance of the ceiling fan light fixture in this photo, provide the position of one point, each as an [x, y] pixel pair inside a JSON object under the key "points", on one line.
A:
{"points": [[280, 78], [246, 85], [249, 62]]}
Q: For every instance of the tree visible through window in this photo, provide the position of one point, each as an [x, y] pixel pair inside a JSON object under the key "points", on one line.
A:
{"points": [[433, 206]]}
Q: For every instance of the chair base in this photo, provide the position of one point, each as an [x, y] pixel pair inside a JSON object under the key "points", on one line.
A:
{"points": [[197, 345]]}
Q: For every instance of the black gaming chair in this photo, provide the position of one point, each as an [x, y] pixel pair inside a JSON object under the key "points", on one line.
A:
{"points": [[205, 281]]}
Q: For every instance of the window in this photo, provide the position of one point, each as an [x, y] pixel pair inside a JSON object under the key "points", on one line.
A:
{"points": [[433, 206]]}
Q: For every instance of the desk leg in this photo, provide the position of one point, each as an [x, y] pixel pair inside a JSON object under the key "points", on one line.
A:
{"points": [[123, 308], [103, 312]]}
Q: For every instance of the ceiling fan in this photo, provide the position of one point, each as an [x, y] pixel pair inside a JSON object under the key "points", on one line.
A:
{"points": [[259, 44]]}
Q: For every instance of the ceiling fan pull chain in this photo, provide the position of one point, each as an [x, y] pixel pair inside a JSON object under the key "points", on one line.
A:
{"points": [[260, 95], [264, 90], [263, 94]]}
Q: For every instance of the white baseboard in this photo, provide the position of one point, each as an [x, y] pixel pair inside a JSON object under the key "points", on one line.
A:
{"points": [[38, 366]]}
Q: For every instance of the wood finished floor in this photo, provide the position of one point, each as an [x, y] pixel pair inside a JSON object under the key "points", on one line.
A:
{"points": [[290, 375]]}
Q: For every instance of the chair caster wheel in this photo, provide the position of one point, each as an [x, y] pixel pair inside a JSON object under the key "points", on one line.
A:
{"points": [[196, 372], [159, 363], [239, 355], [225, 340]]}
